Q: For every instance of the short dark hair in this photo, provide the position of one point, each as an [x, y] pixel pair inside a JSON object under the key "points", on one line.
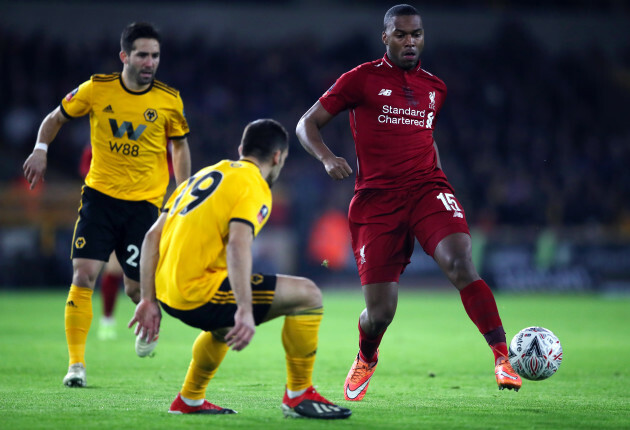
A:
{"points": [[398, 10], [263, 137], [137, 30]]}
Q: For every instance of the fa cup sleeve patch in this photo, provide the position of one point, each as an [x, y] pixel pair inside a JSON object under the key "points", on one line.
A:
{"points": [[71, 94], [262, 214]]}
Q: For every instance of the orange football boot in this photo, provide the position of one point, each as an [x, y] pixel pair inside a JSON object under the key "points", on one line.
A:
{"points": [[358, 379], [506, 376]]}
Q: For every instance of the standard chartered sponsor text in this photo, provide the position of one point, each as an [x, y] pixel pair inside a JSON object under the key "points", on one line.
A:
{"points": [[387, 119]]}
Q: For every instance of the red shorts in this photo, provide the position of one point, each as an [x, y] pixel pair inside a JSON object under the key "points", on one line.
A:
{"points": [[384, 223]]}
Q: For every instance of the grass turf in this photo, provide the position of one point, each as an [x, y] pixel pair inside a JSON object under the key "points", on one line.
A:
{"points": [[435, 370]]}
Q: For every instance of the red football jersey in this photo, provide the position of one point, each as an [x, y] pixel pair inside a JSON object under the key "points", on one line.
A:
{"points": [[392, 116]]}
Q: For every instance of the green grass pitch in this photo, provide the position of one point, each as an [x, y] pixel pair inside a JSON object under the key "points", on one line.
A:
{"points": [[435, 370]]}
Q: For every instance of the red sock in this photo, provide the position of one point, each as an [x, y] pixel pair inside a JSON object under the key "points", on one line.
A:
{"points": [[109, 292], [482, 309], [368, 345]]}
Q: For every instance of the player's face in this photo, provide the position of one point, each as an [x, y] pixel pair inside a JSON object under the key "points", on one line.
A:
{"points": [[275, 170], [404, 38], [143, 60]]}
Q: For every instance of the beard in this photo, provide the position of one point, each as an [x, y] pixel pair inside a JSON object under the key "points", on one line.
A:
{"points": [[143, 80]]}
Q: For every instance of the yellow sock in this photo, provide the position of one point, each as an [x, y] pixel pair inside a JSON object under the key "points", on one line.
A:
{"points": [[208, 353], [78, 318], [299, 337]]}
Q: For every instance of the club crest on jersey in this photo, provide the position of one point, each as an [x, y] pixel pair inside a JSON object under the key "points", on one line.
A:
{"points": [[150, 115], [264, 211], [362, 255], [432, 100], [71, 94]]}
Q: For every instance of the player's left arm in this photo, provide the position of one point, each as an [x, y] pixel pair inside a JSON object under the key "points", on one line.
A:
{"points": [[148, 314], [181, 160], [239, 266], [437, 154]]}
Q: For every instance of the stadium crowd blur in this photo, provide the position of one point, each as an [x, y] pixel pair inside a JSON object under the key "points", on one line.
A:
{"points": [[527, 137]]}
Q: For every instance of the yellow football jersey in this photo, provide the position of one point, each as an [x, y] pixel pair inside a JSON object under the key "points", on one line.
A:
{"points": [[129, 135], [192, 262]]}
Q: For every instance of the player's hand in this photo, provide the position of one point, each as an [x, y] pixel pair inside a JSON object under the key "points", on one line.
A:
{"points": [[337, 167], [243, 331], [35, 167], [148, 317]]}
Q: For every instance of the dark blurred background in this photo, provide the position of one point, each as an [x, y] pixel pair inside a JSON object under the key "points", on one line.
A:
{"points": [[534, 134]]}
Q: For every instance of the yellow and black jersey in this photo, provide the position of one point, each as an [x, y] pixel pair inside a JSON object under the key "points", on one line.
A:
{"points": [[192, 262], [129, 135]]}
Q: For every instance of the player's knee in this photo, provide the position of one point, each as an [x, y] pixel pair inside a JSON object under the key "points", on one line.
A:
{"points": [[381, 316], [83, 277], [460, 270], [132, 289], [219, 334], [312, 295]]}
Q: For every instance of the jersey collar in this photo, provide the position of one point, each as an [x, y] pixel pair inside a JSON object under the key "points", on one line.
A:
{"points": [[247, 160], [392, 66], [135, 93], [251, 163]]}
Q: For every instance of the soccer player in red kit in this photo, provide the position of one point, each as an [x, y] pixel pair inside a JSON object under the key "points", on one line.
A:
{"points": [[401, 192]]}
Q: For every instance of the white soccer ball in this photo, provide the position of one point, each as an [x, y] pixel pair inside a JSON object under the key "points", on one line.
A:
{"points": [[535, 353]]}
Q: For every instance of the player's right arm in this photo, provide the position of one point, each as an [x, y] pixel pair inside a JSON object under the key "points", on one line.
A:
{"points": [[308, 131], [239, 266], [35, 165], [147, 314]]}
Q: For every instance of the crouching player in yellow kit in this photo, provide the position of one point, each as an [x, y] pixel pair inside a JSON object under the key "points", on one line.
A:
{"points": [[196, 263]]}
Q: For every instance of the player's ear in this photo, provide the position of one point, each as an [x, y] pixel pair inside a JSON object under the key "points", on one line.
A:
{"points": [[240, 150], [276, 157], [384, 37], [123, 57]]}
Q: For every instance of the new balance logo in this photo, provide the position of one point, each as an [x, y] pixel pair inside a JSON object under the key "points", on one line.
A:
{"points": [[457, 215], [108, 109], [385, 92]]}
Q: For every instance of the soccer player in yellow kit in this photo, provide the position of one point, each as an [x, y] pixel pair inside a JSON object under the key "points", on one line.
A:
{"points": [[132, 117], [196, 263]]}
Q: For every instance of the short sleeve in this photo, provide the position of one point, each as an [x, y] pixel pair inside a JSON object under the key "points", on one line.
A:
{"points": [[345, 93], [78, 102], [253, 208], [177, 127]]}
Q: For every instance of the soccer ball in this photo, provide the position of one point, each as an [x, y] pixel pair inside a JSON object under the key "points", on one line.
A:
{"points": [[535, 353]]}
